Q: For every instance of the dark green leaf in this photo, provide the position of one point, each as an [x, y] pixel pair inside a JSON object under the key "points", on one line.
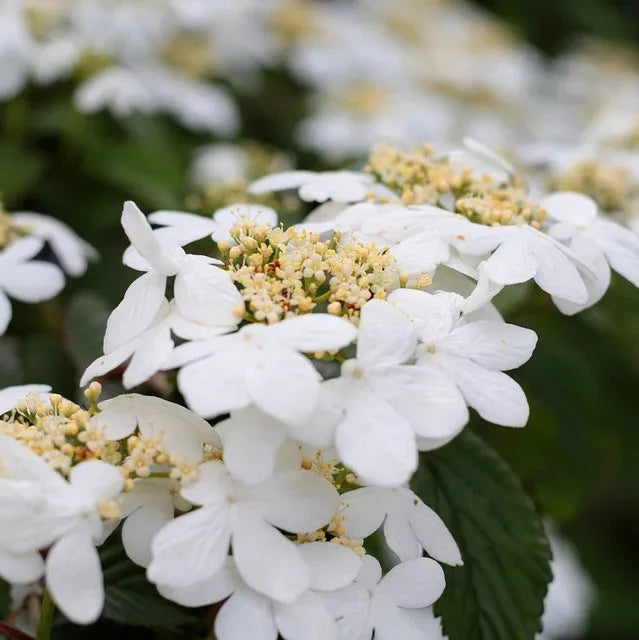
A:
{"points": [[5, 599], [498, 594], [131, 599]]}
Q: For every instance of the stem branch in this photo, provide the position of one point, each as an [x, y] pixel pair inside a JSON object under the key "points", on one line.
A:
{"points": [[46, 617]]}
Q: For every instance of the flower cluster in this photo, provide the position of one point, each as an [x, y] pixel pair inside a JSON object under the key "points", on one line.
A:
{"points": [[23, 275], [329, 355]]}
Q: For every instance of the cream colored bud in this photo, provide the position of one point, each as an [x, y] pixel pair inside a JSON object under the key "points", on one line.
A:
{"points": [[403, 279], [235, 253], [223, 246], [334, 308]]}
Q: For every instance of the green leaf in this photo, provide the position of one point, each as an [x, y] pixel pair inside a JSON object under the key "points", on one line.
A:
{"points": [[131, 599], [498, 593], [5, 599], [87, 320]]}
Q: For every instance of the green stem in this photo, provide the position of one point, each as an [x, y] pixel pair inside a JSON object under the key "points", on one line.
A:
{"points": [[46, 617]]}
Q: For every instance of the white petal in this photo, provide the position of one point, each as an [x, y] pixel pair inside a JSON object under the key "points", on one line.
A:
{"points": [[185, 227], [181, 431], [21, 568], [245, 615], [212, 485], [314, 332], [494, 345], [107, 363], [306, 619], [10, 396], [72, 252], [397, 530], [494, 395], [280, 181], [431, 314], [513, 261], [282, 382], [223, 372], [200, 594], [74, 577], [376, 442], [205, 294], [96, 479], [422, 253], [393, 622], [568, 206], [296, 501], [556, 274], [424, 396], [621, 247], [413, 584], [332, 566], [191, 548], [5, 312], [21, 250], [386, 336], [365, 510], [267, 561], [432, 533], [151, 353], [597, 279], [33, 281], [350, 607], [139, 232], [251, 442], [140, 527], [136, 312], [370, 572]]}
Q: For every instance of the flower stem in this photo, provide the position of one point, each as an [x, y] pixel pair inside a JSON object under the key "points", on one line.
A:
{"points": [[46, 617]]}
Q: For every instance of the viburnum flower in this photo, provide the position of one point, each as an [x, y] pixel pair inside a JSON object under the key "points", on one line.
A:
{"points": [[26, 279], [255, 364], [181, 431], [409, 524], [387, 403], [71, 251], [184, 228], [205, 299], [40, 509], [394, 606], [193, 547], [599, 242], [472, 354], [252, 440], [315, 186], [519, 253], [248, 613]]}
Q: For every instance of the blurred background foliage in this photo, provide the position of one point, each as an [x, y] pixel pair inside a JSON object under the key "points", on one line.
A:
{"points": [[579, 455]]}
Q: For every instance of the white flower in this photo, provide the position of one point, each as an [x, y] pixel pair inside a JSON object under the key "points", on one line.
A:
{"points": [[313, 186], [193, 547], [72, 252], [386, 403], [181, 431], [409, 525], [393, 606], [521, 253], [184, 228], [10, 396], [25, 279], [570, 594], [205, 299], [252, 440], [473, 354], [40, 509], [248, 613], [597, 241], [260, 364], [147, 508]]}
